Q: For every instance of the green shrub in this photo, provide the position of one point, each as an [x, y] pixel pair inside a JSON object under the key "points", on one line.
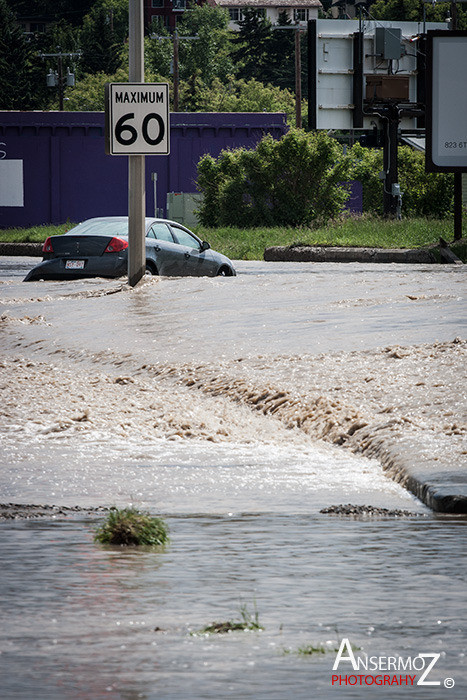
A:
{"points": [[288, 182], [128, 526], [424, 194]]}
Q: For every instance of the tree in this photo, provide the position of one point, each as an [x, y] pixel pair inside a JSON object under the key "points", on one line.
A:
{"points": [[279, 68], [16, 72], [253, 42], [88, 95], [208, 56], [412, 11], [235, 96], [158, 50], [99, 43], [72, 11]]}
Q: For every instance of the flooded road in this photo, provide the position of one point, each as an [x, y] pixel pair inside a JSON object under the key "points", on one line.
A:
{"points": [[203, 400]]}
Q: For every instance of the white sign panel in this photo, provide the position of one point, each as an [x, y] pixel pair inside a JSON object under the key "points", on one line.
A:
{"points": [[11, 183], [137, 119], [449, 106]]}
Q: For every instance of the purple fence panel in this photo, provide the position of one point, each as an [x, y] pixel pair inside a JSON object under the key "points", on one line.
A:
{"points": [[354, 203], [53, 165]]}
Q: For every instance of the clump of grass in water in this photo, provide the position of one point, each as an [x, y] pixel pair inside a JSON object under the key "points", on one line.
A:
{"points": [[130, 527], [310, 649], [248, 623]]}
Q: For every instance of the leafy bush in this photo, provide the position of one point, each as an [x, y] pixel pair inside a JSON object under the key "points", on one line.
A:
{"points": [[365, 164], [290, 182], [130, 527], [424, 194]]}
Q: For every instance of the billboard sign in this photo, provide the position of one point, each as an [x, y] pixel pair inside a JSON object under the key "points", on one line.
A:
{"points": [[447, 102]]}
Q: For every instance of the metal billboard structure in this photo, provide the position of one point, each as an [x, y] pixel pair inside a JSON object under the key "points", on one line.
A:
{"points": [[332, 45], [369, 74]]}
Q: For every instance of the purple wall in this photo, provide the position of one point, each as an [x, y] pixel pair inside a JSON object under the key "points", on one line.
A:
{"points": [[66, 174]]}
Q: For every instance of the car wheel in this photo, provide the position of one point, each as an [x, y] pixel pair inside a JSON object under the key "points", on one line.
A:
{"points": [[224, 272], [151, 269]]}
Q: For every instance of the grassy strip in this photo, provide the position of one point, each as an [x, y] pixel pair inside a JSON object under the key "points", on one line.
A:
{"points": [[249, 244], [35, 234]]}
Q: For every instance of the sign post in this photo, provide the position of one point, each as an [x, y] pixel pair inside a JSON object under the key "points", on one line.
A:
{"points": [[136, 169], [137, 124]]}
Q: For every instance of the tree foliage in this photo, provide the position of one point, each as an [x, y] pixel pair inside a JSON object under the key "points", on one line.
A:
{"points": [[99, 44], [72, 11], [209, 55], [252, 42], [17, 79], [88, 95], [412, 11]]}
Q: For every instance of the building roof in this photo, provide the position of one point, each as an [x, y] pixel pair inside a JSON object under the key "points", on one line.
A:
{"points": [[300, 4]]}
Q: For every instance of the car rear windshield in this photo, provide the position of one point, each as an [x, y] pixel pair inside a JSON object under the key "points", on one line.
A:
{"points": [[101, 228]]}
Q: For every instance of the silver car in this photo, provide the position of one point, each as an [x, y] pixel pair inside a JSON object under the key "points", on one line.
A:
{"points": [[99, 248]]}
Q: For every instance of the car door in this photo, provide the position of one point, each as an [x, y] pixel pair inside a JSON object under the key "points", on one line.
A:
{"points": [[197, 261], [162, 249]]}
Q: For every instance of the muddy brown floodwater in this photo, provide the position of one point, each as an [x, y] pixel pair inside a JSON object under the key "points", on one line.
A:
{"points": [[239, 409]]}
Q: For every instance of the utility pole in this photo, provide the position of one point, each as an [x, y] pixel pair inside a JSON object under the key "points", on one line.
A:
{"points": [[298, 81], [176, 63], [136, 164], [176, 71], [391, 191], [298, 72], [56, 78]]}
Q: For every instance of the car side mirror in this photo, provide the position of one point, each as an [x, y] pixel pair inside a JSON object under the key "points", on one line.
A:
{"points": [[205, 246]]}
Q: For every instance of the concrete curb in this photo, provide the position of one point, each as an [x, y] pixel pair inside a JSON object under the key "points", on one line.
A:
{"points": [[441, 488], [27, 249], [304, 253], [404, 457]]}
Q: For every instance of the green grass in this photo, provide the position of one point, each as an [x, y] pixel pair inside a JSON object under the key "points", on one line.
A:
{"points": [[130, 527], [249, 244], [35, 234]]}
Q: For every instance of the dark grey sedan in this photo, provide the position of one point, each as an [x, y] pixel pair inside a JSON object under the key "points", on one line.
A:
{"points": [[99, 248]]}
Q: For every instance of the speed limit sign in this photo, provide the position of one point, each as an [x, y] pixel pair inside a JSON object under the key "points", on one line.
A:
{"points": [[137, 119]]}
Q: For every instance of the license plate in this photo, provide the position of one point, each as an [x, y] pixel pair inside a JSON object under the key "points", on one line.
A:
{"points": [[74, 265]]}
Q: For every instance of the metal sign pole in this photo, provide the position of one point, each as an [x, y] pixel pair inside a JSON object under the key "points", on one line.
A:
{"points": [[136, 169], [457, 176]]}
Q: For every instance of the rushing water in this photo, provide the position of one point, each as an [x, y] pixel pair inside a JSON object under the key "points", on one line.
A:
{"points": [[240, 492]]}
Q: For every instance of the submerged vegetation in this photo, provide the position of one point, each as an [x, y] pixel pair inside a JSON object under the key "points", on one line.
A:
{"points": [[313, 649], [130, 527], [248, 623]]}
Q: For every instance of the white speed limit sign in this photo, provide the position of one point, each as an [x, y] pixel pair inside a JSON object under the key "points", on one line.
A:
{"points": [[137, 119]]}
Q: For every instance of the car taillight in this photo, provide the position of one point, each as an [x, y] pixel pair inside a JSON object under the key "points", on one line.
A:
{"points": [[116, 245], [47, 247]]}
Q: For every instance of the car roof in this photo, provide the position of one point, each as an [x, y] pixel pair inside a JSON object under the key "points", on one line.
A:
{"points": [[148, 220]]}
